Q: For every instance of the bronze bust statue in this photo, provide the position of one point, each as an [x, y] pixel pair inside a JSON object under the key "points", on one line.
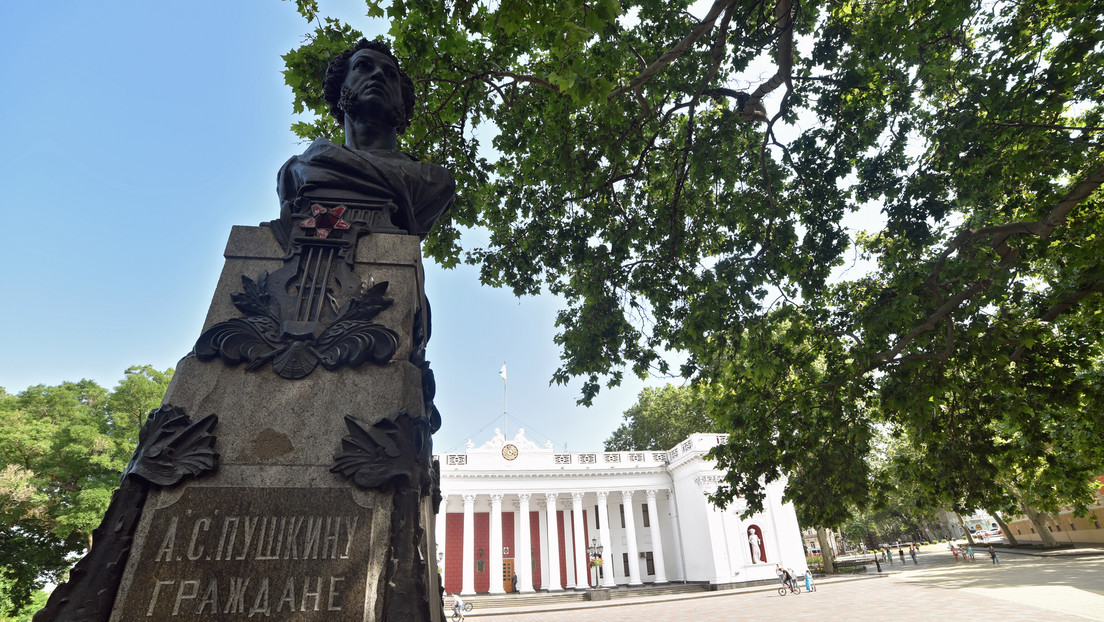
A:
{"points": [[371, 96]]}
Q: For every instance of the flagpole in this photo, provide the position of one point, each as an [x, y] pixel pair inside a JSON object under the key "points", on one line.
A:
{"points": [[505, 420]]}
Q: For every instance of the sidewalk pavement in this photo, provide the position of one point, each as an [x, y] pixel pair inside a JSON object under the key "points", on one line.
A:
{"points": [[1029, 587], [666, 598]]}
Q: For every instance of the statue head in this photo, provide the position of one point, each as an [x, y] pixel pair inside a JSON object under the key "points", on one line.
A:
{"points": [[396, 110]]}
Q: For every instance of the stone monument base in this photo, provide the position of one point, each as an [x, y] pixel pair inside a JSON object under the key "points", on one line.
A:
{"points": [[320, 508]]}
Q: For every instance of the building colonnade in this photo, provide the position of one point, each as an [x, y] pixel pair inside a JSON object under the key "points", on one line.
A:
{"points": [[481, 546]]}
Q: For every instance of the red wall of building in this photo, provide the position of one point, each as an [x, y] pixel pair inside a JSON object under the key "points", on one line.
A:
{"points": [[454, 552], [482, 543], [508, 542], [534, 542], [563, 514], [454, 548]]}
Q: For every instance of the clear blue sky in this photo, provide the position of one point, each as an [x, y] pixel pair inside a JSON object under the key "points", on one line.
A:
{"points": [[135, 134]]}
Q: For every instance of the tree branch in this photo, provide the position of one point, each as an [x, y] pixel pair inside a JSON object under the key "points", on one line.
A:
{"points": [[783, 21], [696, 33], [1065, 304], [1042, 229]]}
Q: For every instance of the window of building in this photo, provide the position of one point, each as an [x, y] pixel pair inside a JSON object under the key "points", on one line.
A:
{"points": [[597, 523], [480, 566], [625, 561], [621, 508], [650, 562], [644, 513]]}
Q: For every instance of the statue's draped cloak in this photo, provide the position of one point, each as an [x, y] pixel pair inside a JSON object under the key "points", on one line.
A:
{"points": [[420, 191]]}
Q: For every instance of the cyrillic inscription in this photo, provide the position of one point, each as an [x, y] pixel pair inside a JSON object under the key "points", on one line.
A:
{"points": [[229, 553]]}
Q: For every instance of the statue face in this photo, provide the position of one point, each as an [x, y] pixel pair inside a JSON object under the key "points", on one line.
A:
{"points": [[372, 88]]}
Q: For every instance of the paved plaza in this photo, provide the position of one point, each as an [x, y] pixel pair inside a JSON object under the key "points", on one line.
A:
{"points": [[1023, 588]]}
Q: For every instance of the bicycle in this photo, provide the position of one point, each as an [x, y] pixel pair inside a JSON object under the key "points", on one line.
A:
{"points": [[788, 588], [456, 614]]}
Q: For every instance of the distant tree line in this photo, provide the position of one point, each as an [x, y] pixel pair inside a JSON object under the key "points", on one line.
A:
{"points": [[62, 451]]}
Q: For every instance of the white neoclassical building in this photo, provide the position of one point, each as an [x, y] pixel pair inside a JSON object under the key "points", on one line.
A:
{"points": [[512, 507]]}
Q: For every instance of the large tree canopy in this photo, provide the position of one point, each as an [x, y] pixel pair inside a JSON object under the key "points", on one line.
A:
{"points": [[62, 450], [681, 196], [662, 418]]}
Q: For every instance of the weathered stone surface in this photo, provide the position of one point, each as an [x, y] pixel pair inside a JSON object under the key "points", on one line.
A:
{"points": [[240, 553], [206, 550], [265, 419], [379, 257], [304, 489]]}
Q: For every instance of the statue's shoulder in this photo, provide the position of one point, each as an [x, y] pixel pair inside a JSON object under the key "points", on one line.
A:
{"points": [[424, 171]]}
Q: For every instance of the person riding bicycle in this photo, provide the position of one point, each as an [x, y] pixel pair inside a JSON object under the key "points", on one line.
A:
{"points": [[786, 577], [457, 606]]}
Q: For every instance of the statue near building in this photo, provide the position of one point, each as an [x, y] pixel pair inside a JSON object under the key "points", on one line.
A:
{"points": [[306, 489]]}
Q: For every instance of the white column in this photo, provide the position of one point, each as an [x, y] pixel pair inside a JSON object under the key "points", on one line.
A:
{"points": [[439, 524], [496, 545], [676, 524], [554, 584], [630, 536], [542, 543], [607, 542], [720, 561], [657, 544], [523, 558], [468, 585], [582, 580]]}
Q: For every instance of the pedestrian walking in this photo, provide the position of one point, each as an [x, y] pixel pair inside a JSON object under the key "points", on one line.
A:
{"points": [[889, 555], [993, 555], [970, 552], [901, 552], [954, 552], [912, 552]]}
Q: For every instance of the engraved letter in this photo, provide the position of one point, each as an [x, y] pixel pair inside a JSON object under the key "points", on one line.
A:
{"points": [[292, 550], [250, 527], [314, 532], [180, 595], [287, 597], [350, 530], [193, 554], [236, 602], [167, 543], [329, 547], [210, 598], [330, 606], [316, 594], [153, 598], [272, 539], [258, 607], [222, 538]]}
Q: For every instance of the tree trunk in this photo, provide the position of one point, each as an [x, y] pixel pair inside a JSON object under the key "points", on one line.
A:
{"points": [[1008, 537], [965, 529], [826, 551], [1038, 519]]}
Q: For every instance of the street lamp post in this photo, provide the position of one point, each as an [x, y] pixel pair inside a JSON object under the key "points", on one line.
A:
{"points": [[594, 551]]}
